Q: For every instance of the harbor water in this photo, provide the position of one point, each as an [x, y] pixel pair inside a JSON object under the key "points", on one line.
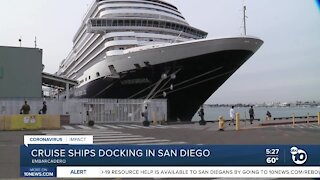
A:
{"points": [[213, 113]]}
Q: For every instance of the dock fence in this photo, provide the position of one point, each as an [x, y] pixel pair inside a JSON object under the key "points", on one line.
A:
{"points": [[98, 110]]}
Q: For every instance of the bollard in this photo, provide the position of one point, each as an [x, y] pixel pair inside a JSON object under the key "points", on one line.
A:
{"points": [[221, 123], [91, 123], [308, 115], [155, 122], [293, 120], [238, 121], [146, 123], [318, 118]]}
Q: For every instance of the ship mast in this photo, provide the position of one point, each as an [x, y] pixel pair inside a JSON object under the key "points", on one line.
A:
{"points": [[244, 19], [35, 42]]}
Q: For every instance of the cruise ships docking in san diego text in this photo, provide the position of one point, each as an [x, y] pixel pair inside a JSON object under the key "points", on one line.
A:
{"points": [[144, 49]]}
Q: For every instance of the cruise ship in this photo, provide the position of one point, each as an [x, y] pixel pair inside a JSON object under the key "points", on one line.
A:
{"points": [[145, 49]]}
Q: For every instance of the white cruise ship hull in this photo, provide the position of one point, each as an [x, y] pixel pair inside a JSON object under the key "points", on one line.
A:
{"points": [[193, 70]]}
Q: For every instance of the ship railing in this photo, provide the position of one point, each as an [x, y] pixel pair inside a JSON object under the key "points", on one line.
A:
{"points": [[141, 48]]}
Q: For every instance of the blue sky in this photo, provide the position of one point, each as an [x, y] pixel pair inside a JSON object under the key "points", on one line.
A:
{"points": [[286, 68]]}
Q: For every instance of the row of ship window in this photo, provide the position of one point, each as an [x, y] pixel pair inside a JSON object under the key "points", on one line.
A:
{"points": [[148, 2], [144, 8], [88, 78], [139, 39], [147, 23]]}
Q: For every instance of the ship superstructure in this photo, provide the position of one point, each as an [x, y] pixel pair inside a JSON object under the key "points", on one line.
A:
{"points": [[113, 26]]}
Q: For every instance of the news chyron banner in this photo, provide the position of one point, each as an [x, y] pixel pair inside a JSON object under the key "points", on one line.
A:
{"points": [[77, 157]]}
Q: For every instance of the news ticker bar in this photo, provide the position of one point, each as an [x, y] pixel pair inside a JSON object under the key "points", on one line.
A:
{"points": [[188, 172]]}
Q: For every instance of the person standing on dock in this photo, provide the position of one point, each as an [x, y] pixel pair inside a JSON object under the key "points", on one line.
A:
{"points": [[232, 115], [269, 115], [25, 109], [251, 113], [201, 113], [44, 108], [145, 113]]}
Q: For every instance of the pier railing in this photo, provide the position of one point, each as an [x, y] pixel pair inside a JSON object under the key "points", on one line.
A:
{"points": [[297, 117]]}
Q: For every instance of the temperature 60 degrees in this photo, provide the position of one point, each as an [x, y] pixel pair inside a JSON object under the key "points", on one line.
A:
{"points": [[272, 160]]}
